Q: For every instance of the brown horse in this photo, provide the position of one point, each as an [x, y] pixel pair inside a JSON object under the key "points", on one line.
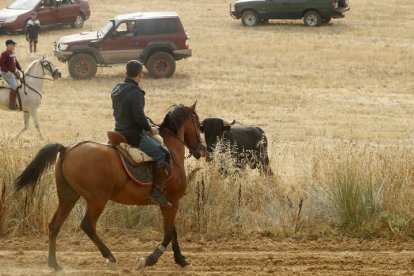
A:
{"points": [[93, 171]]}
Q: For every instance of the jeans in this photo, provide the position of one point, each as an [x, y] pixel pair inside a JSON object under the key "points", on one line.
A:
{"points": [[154, 150], [11, 80]]}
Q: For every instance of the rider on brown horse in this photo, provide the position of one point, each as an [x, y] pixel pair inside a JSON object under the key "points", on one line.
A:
{"points": [[128, 102]]}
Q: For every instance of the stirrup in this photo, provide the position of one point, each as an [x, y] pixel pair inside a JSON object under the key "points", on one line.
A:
{"points": [[160, 201]]}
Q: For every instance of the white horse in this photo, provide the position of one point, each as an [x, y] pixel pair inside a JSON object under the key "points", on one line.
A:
{"points": [[31, 91]]}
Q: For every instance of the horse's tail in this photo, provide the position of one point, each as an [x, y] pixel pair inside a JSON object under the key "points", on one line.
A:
{"points": [[43, 160]]}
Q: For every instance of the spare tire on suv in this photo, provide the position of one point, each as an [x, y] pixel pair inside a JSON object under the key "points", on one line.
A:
{"points": [[157, 39]]}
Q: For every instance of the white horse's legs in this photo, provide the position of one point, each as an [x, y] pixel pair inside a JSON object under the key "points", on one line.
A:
{"points": [[26, 116], [36, 122]]}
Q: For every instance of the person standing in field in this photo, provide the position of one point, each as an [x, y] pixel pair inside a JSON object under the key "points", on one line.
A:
{"points": [[32, 34]]}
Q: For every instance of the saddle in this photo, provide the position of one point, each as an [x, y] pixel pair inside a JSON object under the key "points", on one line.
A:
{"points": [[136, 163], [4, 84]]}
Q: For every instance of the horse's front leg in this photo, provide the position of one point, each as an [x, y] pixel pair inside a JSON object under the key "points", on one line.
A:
{"points": [[168, 220], [26, 117], [36, 123], [178, 257]]}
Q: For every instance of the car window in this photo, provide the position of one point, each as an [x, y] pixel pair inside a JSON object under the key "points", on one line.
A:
{"points": [[157, 26], [65, 2], [48, 4], [126, 28], [23, 5], [102, 32]]}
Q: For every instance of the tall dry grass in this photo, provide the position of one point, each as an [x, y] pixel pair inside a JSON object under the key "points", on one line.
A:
{"points": [[340, 189]]}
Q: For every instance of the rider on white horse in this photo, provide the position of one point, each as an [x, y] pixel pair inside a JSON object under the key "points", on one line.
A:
{"points": [[9, 67], [31, 91]]}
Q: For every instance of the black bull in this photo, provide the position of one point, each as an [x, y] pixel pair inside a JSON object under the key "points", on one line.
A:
{"points": [[248, 144]]}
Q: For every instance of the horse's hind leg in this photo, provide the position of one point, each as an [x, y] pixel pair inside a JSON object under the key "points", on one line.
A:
{"points": [[67, 200], [88, 225], [26, 117]]}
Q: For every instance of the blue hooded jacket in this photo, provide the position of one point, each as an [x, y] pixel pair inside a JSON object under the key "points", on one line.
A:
{"points": [[128, 102]]}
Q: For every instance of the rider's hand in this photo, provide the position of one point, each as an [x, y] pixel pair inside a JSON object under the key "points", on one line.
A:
{"points": [[154, 131], [17, 74], [9, 73]]}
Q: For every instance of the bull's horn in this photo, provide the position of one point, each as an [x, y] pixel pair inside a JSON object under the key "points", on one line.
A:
{"points": [[229, 124]]}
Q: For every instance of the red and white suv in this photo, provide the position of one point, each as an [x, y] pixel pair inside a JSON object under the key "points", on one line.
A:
{"points": [[157, 39]]}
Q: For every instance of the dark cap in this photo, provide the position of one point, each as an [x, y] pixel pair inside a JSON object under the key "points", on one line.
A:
{"points": [[10, 41], [133, 68]]}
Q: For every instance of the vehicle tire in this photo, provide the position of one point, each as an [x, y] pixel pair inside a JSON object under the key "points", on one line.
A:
{"points": [[250, 18], [327, 20], [82, 66], [160, 65], [343, 3], [312, 19], [78, 22]]}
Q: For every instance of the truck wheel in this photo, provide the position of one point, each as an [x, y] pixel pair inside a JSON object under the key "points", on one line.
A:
{"points": [[250, 18], [312, 19], [78, 22], [82, 66], [161, 65]]}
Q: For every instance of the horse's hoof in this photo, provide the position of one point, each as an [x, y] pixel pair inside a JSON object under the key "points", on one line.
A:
{"points": [[139, 264], [57, 268], [111, 265], [188, 268]]}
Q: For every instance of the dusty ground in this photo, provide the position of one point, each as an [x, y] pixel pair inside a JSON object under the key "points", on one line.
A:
{"points": [[28, 255]]}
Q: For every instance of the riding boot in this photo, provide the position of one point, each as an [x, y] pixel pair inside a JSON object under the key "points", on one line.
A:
{"points": [[158, 194], [13, 95]]}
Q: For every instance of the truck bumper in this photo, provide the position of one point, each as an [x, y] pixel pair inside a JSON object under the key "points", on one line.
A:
{"points": [[61, 55], [233, 12], [339, 12], [184, 53]]}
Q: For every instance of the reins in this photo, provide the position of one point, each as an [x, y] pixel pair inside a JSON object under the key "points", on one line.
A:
{"points": [[23, 79], [182, 142]]}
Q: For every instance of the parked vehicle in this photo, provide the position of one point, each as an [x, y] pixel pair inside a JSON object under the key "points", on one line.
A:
{"points": [[157, 39], [49, 12], [313, 12]]}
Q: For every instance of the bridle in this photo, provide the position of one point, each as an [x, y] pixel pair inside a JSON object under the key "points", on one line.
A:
{"points": [[48, 66], [45, 65], [199, 147]]}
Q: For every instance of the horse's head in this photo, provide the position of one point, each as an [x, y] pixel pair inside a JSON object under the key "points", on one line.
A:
{"points": [[183, 120], [192, 135], [49, 69]]}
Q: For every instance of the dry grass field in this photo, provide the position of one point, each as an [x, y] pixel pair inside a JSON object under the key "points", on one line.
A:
{"points": [[336, 103]]}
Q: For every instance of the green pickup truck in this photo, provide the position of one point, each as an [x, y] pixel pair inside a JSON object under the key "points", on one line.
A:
{"points": [[313, 12]]}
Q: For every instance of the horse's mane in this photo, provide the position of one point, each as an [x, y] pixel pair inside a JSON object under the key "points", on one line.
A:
{"points": [[175, 117], [30, 66]]}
